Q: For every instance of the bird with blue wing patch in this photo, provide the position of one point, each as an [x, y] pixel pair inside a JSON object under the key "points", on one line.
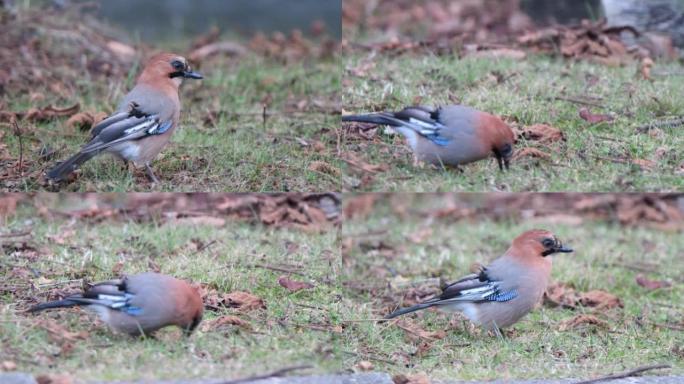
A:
{"points": [[143, 123], [448, 136], [138, 304], [506, 290]]}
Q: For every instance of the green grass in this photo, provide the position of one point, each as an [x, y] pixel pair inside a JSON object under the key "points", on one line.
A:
{"points": [[596, 157], [295, 328], [382, 264], [239, 151]]}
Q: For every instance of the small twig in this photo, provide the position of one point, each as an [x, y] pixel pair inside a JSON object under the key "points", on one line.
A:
{"points": [[579, 101], [661, 123], [274, 268], [17, 131], [277, 373], [17, 234], [365, 320], [622, 375], [668, 326], [370, 357]]}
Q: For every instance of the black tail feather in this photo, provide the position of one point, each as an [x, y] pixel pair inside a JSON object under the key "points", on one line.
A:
{"points": [[62, 170], [66, 303], [414, 308], [373, 118]]}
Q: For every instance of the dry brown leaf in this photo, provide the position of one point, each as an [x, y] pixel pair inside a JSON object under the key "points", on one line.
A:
{"points": [[210, 221], [531, 152], [229, 48], [54, 378], [646, 165], [8, 365], [323, 167], [413, 331], [359, 206], [498, 53], [364, 366], [59, 333], [123, 52], [418, 378], [243, 301], [592, 118], [420, 235], [600, 300], [85, 120], [224, 320], [49, 112], [543, 133], [292, 285], [651, 284], [582, 319], [356, 162], [645, 68], [561, 295]]}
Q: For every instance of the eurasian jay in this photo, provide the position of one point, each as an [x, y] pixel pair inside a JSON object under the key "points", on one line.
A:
{"points": [[139, 304], [144, 121], [450, 135], [504, 291]]}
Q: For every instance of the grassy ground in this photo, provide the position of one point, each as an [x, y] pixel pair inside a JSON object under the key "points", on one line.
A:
{"points": [[390, 254], [596, 157], [237, 151], [295, 328]]}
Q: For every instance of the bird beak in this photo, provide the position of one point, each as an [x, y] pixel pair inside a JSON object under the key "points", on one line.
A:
{"points": [[192, 75], [564, 249]]}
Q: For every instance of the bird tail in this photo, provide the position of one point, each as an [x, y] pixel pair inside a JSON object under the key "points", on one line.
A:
{"points": [[66, 303], [373, 118], [59, 172], [413, 308]]}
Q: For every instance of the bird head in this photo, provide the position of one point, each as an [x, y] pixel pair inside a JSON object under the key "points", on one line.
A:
{"points": [[167, 67], [539, 243]]}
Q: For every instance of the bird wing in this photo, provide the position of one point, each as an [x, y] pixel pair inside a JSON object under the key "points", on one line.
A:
{"points": [[112, 294], [423, 120], [475, 288], [426, 122], [131, 124]]}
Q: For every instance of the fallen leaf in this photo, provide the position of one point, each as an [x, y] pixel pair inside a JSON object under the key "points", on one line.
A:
{"points": [[420, 235], [498, 53], [224, 320], [414, 330], [561, 295], [364, 366], [543, 133], [592, 118], [531, 152], [124, 52], [599, 299], [418, 378], [229, 48], [583, 319], [292, 285], [645, 68], [644, 164], [85, 120], [7, 366], [243, 301], [651, 284], [323, 167], [49, 112], [54, 378]]}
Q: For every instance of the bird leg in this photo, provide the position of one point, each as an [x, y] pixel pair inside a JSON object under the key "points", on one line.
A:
{"points": [[500, 160], [498, 333], [150, 174]]}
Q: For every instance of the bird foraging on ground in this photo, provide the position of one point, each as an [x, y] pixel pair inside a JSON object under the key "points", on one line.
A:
{"points": [[143, 122], [507, 289], [139, 304], [448, 136]]}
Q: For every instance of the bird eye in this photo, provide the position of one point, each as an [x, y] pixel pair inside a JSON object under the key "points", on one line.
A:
{"points": [[178, 65], [548, 243]]}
